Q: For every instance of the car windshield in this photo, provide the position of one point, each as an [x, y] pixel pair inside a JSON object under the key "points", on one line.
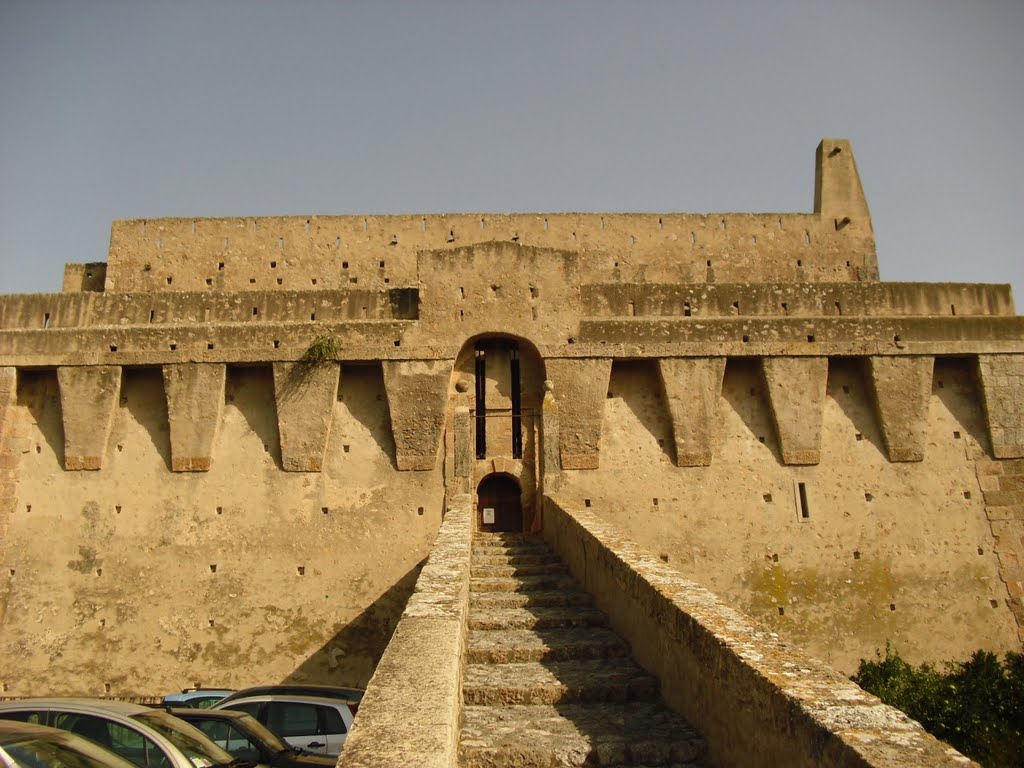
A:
{"points": [[36, 752], [255, 728], [200, 751]]}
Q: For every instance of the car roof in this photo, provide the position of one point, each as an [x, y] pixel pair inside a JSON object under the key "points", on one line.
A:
{"points": [[222, 714], [282, 697], [326, 691], [123, 708]]}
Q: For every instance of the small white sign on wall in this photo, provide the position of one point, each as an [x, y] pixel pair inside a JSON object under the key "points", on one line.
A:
{"points": [[488, 515]]}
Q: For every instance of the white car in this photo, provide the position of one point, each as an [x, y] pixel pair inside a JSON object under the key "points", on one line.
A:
{"points": [[313, 723], [149, 738]]}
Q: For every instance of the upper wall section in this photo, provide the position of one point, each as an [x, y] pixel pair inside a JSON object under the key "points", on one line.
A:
{"points": [[835, 243]]}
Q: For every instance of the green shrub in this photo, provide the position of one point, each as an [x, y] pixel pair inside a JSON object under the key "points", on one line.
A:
{"points": [[976, 705]]}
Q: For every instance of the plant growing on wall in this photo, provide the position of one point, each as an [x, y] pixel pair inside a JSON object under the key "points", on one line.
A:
{"points": [[323, 349]]}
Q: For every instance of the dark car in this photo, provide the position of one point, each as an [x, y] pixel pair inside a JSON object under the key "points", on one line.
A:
{"points": [[240, 734]]}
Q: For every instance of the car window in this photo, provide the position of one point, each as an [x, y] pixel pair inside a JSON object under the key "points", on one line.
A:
{"points": [[200, 751], [119, 739], [259, 731], [286, 718], [332, 720], [25, 717], [252, 707], [54, 752], [228, 737]]}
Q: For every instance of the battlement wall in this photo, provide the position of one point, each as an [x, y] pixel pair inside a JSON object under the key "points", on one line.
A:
{"points": [[835, 243]]}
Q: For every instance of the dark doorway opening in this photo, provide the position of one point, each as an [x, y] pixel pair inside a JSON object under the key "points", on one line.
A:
{"points": [[499, 504]]}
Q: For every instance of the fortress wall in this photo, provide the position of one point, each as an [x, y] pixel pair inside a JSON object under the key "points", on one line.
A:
{"points": [[133, 579], [900, 552], [62, 310], [547, 283], [798, 300], [334, 252]]}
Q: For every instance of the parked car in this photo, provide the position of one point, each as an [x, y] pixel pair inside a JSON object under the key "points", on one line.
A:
{"points": [[317, 724], [26, 745], [350, 695], [202, 698], [246, 738], [149, 738]]}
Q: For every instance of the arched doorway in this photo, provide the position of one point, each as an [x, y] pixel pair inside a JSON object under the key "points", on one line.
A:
{"points": [[499, 504]]}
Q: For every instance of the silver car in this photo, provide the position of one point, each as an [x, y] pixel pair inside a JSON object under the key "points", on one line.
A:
{"points": [[149, 738], [313, 723], [24, 745]]}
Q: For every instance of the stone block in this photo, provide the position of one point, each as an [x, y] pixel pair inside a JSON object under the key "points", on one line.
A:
{"points": [[693, 389], [305, 395], [902, 388], [195, 406], [796, 389], [580, 388], [88, 400], [417, 393], [1002, 394]]}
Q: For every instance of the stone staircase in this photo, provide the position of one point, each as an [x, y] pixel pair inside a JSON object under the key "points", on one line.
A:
{"points": [[547, 683]]}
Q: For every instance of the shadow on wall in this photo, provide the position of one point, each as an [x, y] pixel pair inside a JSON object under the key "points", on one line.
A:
{"points": [[351, 656], [142, 393], [636, 383], [848, 386], [956, 386], [39, 393], [251, 390], [743, 390]]}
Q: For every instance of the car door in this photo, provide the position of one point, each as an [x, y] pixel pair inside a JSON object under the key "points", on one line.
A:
{"points": [[297, 723]]}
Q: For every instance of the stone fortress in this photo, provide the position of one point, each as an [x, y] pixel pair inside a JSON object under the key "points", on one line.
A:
{"points": [[227, 451]]}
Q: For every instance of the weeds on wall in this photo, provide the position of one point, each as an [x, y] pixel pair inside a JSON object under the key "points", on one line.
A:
{"points": [[975, 705], [323, 349]]}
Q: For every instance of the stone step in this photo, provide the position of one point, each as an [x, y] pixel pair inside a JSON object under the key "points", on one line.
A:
{"points": [[521, 549], [537, 617], [485, 601], [521, 583], [516, 645], [508, 538], [488, 570], [504, 559], [573, 736], [557, 682]]}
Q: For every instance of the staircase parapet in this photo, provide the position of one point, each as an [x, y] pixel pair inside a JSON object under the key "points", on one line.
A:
{"points": [[410, 712], [758, 701]]}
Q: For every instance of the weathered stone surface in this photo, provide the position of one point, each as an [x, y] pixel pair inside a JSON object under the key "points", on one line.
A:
{"points": [[580, 387], [796, 393], [410, 712], [556, 682], [195, 407], [417, 391], [573, 735], [1002, 389], [305, 395], [88, 400], [757, 701], [693, 387], [902, 389]]}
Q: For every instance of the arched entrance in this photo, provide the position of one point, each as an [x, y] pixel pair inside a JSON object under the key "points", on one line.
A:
{"points": [[499, 504]]}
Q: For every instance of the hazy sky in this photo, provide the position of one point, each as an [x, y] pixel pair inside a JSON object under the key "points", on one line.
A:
{"points": [[225, 108]]}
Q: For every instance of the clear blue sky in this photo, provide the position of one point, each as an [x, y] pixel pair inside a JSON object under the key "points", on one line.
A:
{"points": [[220, 108]]}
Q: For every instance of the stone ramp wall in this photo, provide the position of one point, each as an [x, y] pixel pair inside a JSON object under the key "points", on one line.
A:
{"points": [[411, 711], [758, 701]]}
